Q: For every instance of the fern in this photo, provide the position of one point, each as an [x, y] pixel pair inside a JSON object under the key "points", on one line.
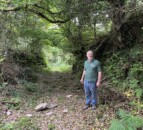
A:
{"points": [[117, 125], [126, 121]]}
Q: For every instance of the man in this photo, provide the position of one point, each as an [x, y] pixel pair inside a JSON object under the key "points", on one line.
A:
{"points": [[91, 79]]}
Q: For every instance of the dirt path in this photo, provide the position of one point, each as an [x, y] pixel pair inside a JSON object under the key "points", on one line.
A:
{"points": [[65, 91]]}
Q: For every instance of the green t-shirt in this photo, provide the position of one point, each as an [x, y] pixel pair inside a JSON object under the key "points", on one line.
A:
{"points": [[91, 70]]}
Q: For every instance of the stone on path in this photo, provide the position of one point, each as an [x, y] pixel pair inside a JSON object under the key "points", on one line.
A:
{"points": [[65, 111], [44, 106], [68, 96], [41, 107], [49, 113], [9, 113], [29, 115], [52, 106]]}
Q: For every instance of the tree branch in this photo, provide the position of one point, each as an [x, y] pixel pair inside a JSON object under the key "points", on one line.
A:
{"points": [[42, 15], [36, 12], [49, 11], [11, 9], [46, 18]]}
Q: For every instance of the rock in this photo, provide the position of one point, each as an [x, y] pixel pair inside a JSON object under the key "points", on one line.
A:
{"points": [[49, 113], [41, 107], [65, 111], [29, 115], [68, 96], [44, 106], [8, 113], [52, 106]]}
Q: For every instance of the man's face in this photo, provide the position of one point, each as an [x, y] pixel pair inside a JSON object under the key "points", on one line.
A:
{"points": [[89, 55]]}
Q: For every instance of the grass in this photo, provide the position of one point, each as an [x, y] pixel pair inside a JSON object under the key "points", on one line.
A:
{"points": [[63, 67], [51, 126], [23, 123], [61, 99]]}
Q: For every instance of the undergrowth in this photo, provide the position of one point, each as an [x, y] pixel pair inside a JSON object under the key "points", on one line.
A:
{"points": [[126, 121], [125, 71], [23, 123]]}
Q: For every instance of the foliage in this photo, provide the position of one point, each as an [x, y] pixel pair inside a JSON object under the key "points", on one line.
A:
{"points": [[15, 103], [55, 34], [9, 71], [56, 59], [29, 86], [126, 121], [3, 85], [124, 72], [51, 127], [73, 28], [33, 41], [24, 123], [18, 67]]}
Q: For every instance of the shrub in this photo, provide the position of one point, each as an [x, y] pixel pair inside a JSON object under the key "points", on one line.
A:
{"points": [[126, 121], [28, 86], [125, 70]]}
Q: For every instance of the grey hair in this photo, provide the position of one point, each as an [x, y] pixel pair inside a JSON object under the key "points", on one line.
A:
{"points": [[89, 51]]}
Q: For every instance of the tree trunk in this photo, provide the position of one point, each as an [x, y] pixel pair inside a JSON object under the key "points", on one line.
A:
{"points": [[117, 15]]}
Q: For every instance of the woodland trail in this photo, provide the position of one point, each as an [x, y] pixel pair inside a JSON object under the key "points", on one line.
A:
{"points": [[65, 90]]}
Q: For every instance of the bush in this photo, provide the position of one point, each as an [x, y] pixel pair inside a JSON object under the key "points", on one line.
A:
{"points": [[28, 74], [125, 70], [13, 103], [9, 71], [126, 121], [28, 86]]}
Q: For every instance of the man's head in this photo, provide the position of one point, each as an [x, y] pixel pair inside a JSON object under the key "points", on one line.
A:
{"points": [[89, 55]]}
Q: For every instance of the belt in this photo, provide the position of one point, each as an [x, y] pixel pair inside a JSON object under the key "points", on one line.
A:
{"points": [[91, 81]]}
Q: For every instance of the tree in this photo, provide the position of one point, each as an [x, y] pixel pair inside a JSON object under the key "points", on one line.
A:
{"points": [[88, 24]]}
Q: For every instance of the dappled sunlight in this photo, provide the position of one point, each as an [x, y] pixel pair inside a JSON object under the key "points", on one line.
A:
{"points": [[56, 59]]}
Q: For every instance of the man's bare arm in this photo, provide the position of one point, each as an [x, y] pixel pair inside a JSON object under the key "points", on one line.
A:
{"points": [[99, 79], [82, 77]]}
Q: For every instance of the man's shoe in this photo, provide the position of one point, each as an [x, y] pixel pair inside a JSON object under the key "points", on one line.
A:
{"points": [[93, 107], [85, 107]]}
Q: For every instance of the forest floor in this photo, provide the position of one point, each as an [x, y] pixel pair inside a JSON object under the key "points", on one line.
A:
{"points": [[64, 90]]}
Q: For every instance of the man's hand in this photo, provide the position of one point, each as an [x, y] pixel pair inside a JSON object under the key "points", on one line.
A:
{"points": [[81, 81], [98, 84]]}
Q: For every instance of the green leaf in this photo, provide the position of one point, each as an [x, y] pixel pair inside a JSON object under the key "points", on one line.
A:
{"points": [[139, 92], [116, 125], [131, 128]]}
